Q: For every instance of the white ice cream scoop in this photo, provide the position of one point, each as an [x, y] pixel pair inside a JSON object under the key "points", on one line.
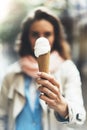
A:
{"points": [[42, 46]]}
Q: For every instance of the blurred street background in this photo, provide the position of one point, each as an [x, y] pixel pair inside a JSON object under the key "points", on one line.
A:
{"points": [[73, 14]]}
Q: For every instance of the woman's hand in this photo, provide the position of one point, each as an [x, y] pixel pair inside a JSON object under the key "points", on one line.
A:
{"points": [[50, 93]]}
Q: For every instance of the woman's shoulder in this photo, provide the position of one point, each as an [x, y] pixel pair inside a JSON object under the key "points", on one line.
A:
{"points": [[11, 75], [68, 72], [69, 67], [69, 64], [12, 69]]}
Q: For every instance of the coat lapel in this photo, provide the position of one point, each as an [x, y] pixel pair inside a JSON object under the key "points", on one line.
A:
{"points": [[16, 93], [19, 100], [19, 103]]}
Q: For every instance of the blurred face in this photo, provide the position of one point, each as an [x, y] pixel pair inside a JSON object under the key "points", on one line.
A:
{"points": [[41, 28]]}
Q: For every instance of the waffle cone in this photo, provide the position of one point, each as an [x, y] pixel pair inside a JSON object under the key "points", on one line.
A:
{"points": [[43, 62]]}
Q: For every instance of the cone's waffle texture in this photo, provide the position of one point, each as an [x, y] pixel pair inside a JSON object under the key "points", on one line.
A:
{"points": [[43, 62]]}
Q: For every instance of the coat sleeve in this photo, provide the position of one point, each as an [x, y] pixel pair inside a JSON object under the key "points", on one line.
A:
{"points": [[72, 91], [3, 106]]}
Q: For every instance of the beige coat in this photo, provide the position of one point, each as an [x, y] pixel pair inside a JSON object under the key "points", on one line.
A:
{"points": [[12, 98]]}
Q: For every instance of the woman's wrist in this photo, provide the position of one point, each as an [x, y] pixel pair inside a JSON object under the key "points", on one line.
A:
{"points": [[61, 118], [63, 111]]}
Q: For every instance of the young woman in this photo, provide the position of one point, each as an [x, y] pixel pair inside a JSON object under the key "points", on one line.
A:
{"points": [[22, 107]]}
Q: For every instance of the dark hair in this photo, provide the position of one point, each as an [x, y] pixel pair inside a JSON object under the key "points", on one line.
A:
{"points": [[25, 48]]}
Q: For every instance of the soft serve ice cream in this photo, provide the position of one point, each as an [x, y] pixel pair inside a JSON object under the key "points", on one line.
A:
{"points": [[42, 46], [42, 52]]}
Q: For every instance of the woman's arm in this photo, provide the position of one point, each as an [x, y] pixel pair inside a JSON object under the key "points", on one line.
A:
{"points": [[69, 106]]}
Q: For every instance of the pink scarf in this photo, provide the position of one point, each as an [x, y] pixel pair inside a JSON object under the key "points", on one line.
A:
{"points": [[29, 64]]}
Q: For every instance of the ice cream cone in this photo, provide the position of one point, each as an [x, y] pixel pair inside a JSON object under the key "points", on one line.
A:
{"points": [[43, 62], [42, 52]]}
